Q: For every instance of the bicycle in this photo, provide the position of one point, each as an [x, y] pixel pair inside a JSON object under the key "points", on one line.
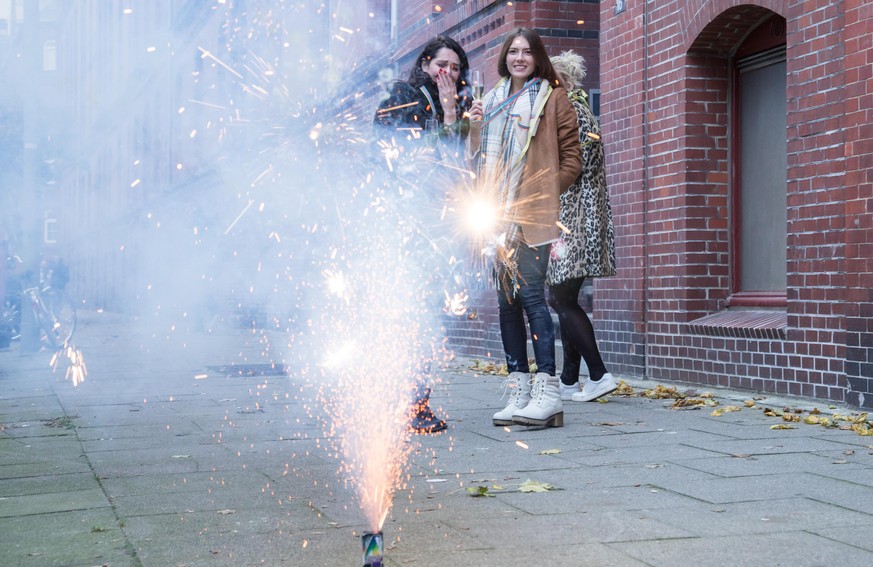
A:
{"points": [[53, 312]]}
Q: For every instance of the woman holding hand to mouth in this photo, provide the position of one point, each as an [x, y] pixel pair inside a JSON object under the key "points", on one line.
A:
{"points": [[524, 140]]}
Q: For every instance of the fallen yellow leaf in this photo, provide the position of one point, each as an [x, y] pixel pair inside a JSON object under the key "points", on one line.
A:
{"points": [[534, 486], [782, 426]]}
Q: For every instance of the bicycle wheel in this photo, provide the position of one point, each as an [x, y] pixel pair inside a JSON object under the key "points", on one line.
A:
{"points": [[59, 322]]}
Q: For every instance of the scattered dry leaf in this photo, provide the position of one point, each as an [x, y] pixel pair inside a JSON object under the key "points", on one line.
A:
{"points": [[550, 452], [727, 409], [688, 402], [534, 486], [477, 491], [782, 426]]}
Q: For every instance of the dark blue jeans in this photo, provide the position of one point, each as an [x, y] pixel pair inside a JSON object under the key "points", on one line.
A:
{"points": [[529, 298]]}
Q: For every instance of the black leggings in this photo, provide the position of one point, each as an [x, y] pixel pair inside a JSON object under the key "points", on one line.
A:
{"points": [[577, 333]]}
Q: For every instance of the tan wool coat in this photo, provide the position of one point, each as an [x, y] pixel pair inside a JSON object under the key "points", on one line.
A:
{"points": [[552, 163]]}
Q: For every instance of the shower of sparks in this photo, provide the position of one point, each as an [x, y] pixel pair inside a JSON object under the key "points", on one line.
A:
{"points": [[456, 304], [356, 280], [480, 216], [76, 369], [336, 283]]}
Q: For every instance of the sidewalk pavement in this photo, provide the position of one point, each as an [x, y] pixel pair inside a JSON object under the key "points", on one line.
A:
{"points": [[160, 459]]}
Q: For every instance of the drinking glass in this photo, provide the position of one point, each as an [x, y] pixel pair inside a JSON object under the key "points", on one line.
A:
{"points": [[477, 85]]}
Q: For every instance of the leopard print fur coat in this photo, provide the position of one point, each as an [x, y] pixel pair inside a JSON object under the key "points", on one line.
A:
{"points": [[586, 248]]}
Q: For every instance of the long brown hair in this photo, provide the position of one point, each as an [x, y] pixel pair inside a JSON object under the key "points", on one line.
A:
{"points": [[542, 66]]}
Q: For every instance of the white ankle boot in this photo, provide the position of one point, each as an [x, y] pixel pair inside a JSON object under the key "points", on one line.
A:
{"points": [[545, 407], [518, 397]]}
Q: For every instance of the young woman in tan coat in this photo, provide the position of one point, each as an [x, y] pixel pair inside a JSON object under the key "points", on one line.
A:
{"points": [[525, 141]]}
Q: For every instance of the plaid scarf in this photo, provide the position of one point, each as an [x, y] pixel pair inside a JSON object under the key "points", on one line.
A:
{"points": [[509, 123]]}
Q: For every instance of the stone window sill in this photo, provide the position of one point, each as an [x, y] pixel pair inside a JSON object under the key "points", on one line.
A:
{"points": [[749, 324]]}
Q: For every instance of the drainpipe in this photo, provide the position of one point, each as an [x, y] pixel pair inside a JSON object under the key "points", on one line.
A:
{"points": [[645, 188]]}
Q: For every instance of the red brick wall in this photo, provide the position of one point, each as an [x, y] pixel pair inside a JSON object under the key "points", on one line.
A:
{"points": [[619, 301], [672, 223], [858, 215]]}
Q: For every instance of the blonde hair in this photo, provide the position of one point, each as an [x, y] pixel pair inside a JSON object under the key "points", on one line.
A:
{"points": [[569, 65]]}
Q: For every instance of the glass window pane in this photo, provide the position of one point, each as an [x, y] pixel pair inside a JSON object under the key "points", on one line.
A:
{"points": [[763, 170]]}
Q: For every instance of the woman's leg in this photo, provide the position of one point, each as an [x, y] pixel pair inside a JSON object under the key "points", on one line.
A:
{"points": [[512, 331], [545, 407], [532, 265], [559, 297], [576, 327]]}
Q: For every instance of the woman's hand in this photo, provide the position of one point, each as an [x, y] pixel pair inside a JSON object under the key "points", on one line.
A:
{"points": [[448, 93], [477, 111]]}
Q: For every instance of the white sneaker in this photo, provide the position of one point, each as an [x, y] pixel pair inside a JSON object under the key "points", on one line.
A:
{"points": [[593, 390], [568, 391]]}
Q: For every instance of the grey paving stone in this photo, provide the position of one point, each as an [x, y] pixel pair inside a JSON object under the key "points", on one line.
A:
{"points": [[792, 442], [857, 535], [53, 502], [769, 487], [775, 515], [23, 486], [776, 549], [96, 545]]}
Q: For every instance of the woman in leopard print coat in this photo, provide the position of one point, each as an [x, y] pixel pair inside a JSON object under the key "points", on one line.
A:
{"points": [[586, 248]]}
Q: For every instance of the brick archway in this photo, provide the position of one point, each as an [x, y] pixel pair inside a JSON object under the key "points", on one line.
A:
{"points": [[720, 25]]}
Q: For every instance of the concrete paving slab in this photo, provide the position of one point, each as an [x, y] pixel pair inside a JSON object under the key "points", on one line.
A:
{"points": [[769, 487], [774, 515], [46, 484], [773, 549], [49, 502], [827, 463], [82, 537], [857, 535]]}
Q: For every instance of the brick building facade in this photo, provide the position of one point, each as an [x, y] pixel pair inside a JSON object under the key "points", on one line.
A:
{"points": [[674, 79], [744, 231]]}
